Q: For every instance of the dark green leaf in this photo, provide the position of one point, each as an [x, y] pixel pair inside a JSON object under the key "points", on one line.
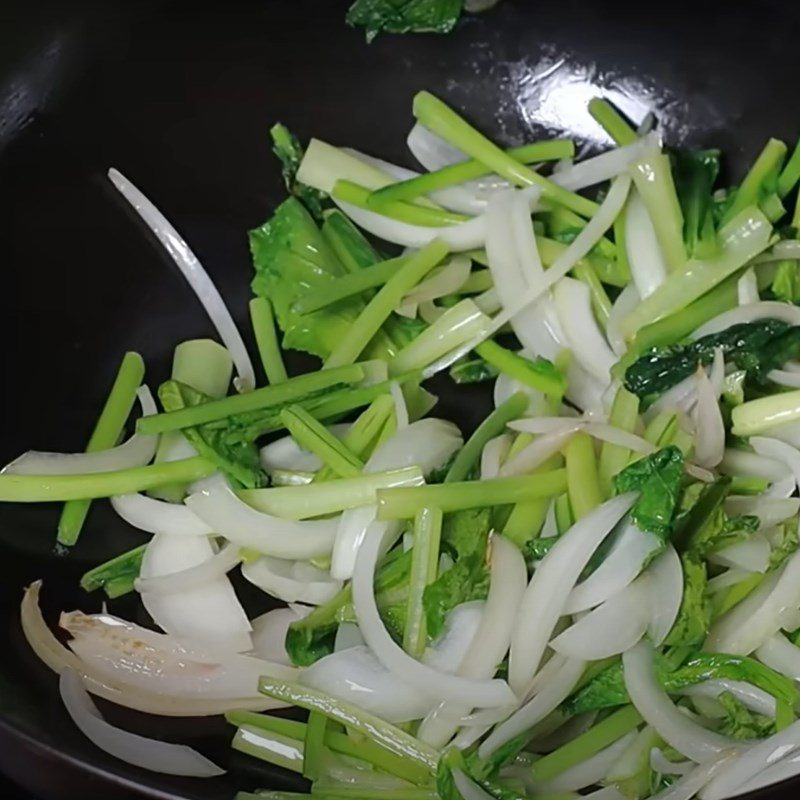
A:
{"points": [[404, 16], [467, 579], [475, 370], [466, 532], [695, 173]]}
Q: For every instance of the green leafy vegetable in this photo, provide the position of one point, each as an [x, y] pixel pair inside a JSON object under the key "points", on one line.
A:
{"points": [[695, 172], [786, 283], [287, 148], [694, 618], [236, 458], [741, 723], [404, 16], [311, 638], [756, 347], [536, 549], [117, 575], [786, 544], [475, 370], [657, 478]]}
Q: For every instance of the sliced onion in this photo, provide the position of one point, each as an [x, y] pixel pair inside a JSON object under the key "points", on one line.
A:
{"points": [[490, 643], [788, 432], [755, 699], [538, 451], [135, 452], [766, 309], [625, 560], [611, 628], [291, 581], [450, 649], [467, 788], [666, 594], [524, 238], [493, 455], [156, 516], [431, 150], [709, 440], [481, 693], [780, 451], [347, 635], [747, 288], [661, 764], [200, 575], [209, 613], [790, 379], [269, 632], [227, 515], [590, 771], [158, 756], [743, 463], [505, 386], [780, 654], [543, 425], [588, 345], [681, 397], [692, 782], [627, 300], [549, 588], [727, 579], [355, 675], [459, 237], [782, 488], [751, 555], [753, 761], [655, 706], [618, 436], [447, 279], [194, 273], [782, 770], [648, 266]]}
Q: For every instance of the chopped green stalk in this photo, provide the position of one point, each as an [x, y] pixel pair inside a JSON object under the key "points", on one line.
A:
{"points": [[772, 207], [764, 169], [790, 174], [479, 281], [348, 285], [741, 484], [115, 574], [608, 270], [756, 416], [327, 497], [107, 430], [54, 488], [622, 262], [539, 374], [289, 391], [526, 520], [327, 790], [377, 311], [567, 224], [347, 241], [614, 457], [314, 745], [274, 748], [583, 484], [364, 433], [358, 196], [403, 503], [313, 436], [492, 426], [565, 519], [424, 570], [442, 120], [661, 429], [601, 304], [341, 743], [263, 322], [742, 239], [597, 738], [612, 122], [457, 326], [737, 593], [375, 729], [653, 178], [471, 169]]}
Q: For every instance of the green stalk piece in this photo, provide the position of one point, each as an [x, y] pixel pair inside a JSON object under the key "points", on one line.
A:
{"points": [[612, 122], [583, 483], [115, 576], [614, 457], [539, 374], [764, 168], [263, 322], [110, 425]]}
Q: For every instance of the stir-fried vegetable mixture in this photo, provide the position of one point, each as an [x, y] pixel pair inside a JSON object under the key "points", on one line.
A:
{"points": [[595, 592]]}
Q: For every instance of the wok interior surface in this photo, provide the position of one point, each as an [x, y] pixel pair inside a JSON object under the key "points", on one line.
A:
{"points": [[180, 98]]}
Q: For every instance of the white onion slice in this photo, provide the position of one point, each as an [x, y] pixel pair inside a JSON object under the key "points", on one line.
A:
{"points": [[493, 455], [788, 432], [269, 632], [752, 761], [291, 581], [781, 770], [681, 397], [611, 628], [625, 559], [660, 763], [574, 305], [751, 555], [655, 706], [692, 782], [447, 279], [747, 288], [199, 575], [553, 692], [743, 463], [547, 593], [538, 451], [755, 699], [196, 276], [769, 510], [347, 635], [789, 378], [666, 594], [467, 788], [618, 436], [709, 440], [431, 150], [780, 451], [448, 652], [780, 654], [590, 771], [156, 516], [727, 579], [766, 309], [230, 517], [135, 452], [627, 300], [481, 693], [158, 756], [490, 643], [543, 425], [209, 613], [648, 266]]}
